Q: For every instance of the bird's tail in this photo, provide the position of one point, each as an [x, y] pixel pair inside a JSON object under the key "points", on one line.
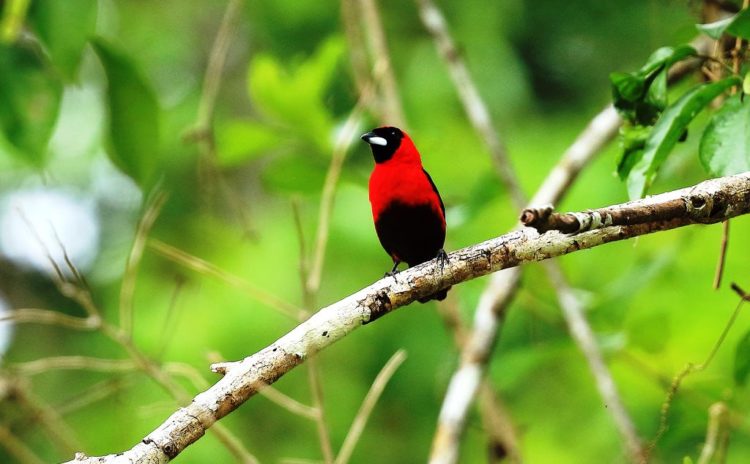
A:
{"points": [[440, 296]]}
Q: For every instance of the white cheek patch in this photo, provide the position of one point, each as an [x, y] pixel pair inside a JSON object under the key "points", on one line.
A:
{"points": [[377, 141]]}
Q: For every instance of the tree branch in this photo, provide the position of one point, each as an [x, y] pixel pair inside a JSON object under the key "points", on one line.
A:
{"points": [[729, 197]]}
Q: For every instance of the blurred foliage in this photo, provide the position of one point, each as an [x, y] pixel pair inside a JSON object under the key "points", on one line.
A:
{"points": [[100, 99], [653, 127]]}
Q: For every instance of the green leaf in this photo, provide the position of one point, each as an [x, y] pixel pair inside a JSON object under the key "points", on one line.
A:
{"points": [[133, 115], [295, 98], [657, 91], [12, 20], [665, 57], [241, 141], [669, 129], [629, 87], [742, 360], [30, 99], [737, 26], [632, 141], [716, 29], [746, 84], [64, 27], [641, 96], [724, 148]]}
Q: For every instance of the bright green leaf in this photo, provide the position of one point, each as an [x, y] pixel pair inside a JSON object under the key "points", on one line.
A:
{"points": [[742, 360], [716, 29], [629, 87], [665, 57], [746, 84], [737, 26], [295, 98], [641, 96], [13, 16], [64, 27], [669, 129], [133, 115], [632, 141], [724, 146], [30, 99], [241, 141], [657, 91], [687, 460]]}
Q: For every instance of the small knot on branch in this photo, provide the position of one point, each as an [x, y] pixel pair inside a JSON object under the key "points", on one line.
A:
{"points": [[222, 367], [739, 291], [545, 218], [699, 206]]}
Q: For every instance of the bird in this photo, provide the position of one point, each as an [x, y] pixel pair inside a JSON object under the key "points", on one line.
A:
{"points": [[407, 209]]}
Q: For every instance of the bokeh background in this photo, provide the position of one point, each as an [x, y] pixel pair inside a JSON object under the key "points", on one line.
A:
{"points": [[286, 89]]}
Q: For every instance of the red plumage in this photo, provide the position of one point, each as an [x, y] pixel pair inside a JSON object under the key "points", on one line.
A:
{"points": [[407, 209]]}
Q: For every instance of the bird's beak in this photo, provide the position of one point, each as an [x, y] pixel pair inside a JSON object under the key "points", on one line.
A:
{"points": [[373, 139]]}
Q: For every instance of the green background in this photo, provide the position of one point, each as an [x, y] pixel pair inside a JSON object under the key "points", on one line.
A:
{"points": [[542, 67]]}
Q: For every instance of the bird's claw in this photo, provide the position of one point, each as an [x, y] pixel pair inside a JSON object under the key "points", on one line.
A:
{"points": [[442, 259], [394, 270]]}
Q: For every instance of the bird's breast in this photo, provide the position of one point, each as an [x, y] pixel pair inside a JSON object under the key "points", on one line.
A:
{"points": [[404, 184]]}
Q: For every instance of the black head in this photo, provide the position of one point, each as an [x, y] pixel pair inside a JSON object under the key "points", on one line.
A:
{"points": [[384, 141]]}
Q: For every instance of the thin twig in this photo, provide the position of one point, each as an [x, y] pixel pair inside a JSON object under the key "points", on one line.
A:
{"points": [[722, 255], [48, 418], [96, 392], [690, 368], [717, 435], [47, 317], [270, 393], [203, 130], [310, 276], [163, 379], [316, 389], [351, 17], [592, 140], [215, 66], [358, 425], [204, 267], [474, 106], [289, 403], [127, 290], [341, 147], [17, 448], [168, 329], [581, 332], [736, 288], [38, 366], [392, 113]]}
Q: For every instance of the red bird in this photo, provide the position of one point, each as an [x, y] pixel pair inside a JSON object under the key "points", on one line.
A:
{"points": [[407, 209]]}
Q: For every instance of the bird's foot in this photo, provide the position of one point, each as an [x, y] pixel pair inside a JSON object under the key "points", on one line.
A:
{"points": [[442, 258], [394, 270]]}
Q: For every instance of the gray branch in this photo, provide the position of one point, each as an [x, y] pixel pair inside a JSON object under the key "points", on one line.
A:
{"points": [[708, 202]]}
